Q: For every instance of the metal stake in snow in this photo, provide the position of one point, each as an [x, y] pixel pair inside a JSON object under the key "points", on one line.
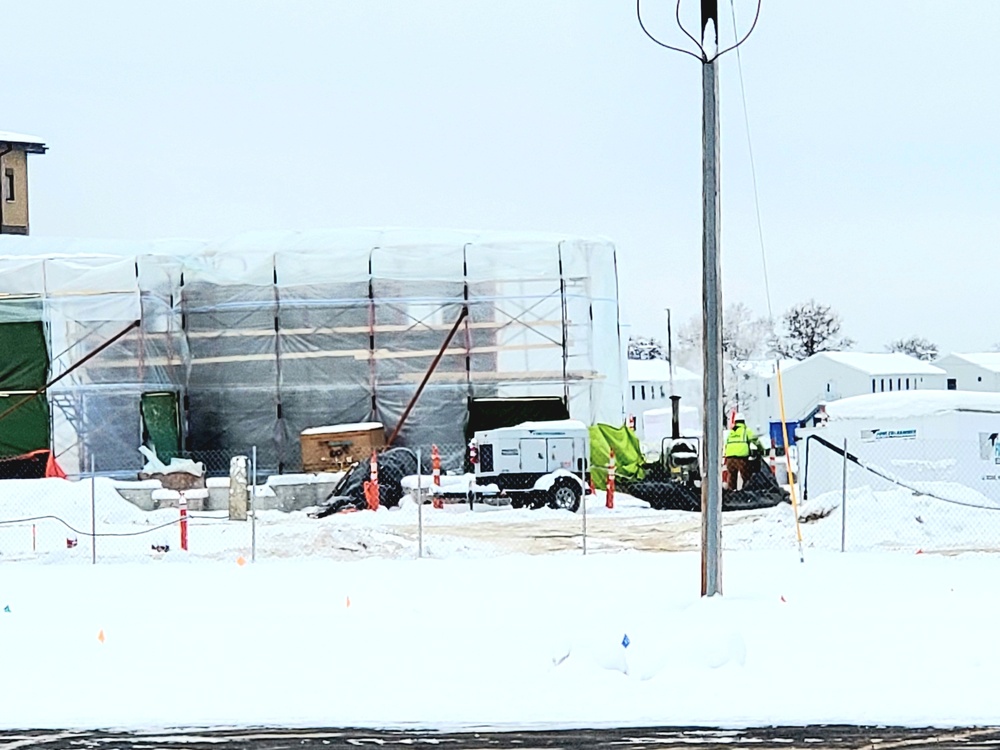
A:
{"points": [[711, 284]]}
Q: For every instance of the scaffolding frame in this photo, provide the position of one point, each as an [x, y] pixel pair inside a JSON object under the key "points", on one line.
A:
{"points": [[264, 335]]}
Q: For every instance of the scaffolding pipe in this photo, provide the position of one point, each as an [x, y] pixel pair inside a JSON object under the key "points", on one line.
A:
{"points": [[427, 376]]}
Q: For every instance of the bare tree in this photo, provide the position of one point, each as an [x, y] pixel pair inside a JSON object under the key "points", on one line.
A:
{"points": [[915, 346], [745, 337], [807, 329]]}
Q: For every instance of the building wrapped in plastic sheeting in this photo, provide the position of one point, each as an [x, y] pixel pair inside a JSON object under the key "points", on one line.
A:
{"points": [[246, 342]]}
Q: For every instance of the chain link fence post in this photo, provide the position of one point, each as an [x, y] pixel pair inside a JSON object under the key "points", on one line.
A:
{"points": [[93, 510], [843, 501], [420, 507], [253, 506]]}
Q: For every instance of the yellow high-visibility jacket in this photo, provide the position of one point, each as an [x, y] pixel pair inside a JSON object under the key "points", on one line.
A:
{"points": [[739, 440]]}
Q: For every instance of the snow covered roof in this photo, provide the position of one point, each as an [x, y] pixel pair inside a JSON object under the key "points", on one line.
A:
{"points": [[878, 363], [338, 428], [36, 144], [555, 424], [986, 360], [903, 404], [657, 371]]}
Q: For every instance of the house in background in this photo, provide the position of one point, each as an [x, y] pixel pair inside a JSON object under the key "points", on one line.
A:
{"points": [[972, 372], [14, 150], [648, 391], [828, 376]]}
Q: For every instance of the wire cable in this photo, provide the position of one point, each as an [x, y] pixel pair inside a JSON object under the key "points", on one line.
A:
{"points": [[638, 13], [677, 16], [747, 36], [767, 284], [753, 165], [703, 57], [87, 533], [893, 480]]}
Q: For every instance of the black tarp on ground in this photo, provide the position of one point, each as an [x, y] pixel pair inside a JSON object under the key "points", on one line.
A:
{"points": [[761, 491], [30, 466], [393, 465]]}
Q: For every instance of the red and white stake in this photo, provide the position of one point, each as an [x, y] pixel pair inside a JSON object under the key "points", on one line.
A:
{"points": [[436, 473], [371, 486], [183, 504]]}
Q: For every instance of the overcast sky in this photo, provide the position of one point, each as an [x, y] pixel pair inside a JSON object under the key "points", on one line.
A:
{"points": [[875, 127]]}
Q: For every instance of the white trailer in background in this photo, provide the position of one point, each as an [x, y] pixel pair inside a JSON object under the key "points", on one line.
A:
{"points": [[940, 442]]}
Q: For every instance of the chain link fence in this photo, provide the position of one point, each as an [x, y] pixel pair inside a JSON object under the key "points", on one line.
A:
{"points": [[902, 493], [424, 502]]}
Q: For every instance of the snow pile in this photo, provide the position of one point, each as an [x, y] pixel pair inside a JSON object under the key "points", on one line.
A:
{"points": [[556, 640]]}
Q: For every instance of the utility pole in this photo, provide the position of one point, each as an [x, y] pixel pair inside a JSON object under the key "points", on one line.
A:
{"points": [[711, 483]]}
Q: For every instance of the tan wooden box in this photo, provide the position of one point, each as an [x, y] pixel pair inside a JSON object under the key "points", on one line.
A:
{"points": [[336, 447]]}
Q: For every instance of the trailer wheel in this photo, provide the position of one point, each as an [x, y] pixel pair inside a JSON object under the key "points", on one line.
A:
{"points": [[565, 495]]}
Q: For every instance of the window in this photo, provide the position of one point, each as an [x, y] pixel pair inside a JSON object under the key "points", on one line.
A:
{"points": [[907, 384], [979, 379], [633, 393], [652, 392], [873, 385], [899, 384], [768, 389], [952, 384], [663, 392], [643, 393], [881, 385], [890, 385], [9, 179], [827, 387]]}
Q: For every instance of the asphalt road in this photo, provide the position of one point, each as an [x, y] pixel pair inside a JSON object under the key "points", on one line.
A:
{"points": [[785, 738]]}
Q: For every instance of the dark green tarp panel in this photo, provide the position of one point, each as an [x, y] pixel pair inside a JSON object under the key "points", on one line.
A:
{"points": [[628, 454], [161, 424], [26, 428], [24, 366], [493, 413], [24, 356]]}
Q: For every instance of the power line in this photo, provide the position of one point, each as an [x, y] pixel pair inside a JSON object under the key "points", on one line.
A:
{"points": [[753, 166], [703, 57]]}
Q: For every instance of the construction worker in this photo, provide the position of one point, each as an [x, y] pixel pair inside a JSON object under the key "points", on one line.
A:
{"points": [[742, 443]]}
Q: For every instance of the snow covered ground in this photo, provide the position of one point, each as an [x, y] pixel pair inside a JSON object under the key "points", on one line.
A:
{"points": [[557, 640], [483, 634]]}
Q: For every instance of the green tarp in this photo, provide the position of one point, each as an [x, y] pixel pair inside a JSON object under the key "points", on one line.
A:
{"points": [[628, 455], [161, 423], [24, 367]]}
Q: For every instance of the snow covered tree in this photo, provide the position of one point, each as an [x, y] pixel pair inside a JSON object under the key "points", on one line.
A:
{"points": [[807, 329], [916, 347], [640, 347]]}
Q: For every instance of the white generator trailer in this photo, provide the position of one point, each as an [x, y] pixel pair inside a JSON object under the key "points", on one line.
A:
{"points": [[534, 463]]}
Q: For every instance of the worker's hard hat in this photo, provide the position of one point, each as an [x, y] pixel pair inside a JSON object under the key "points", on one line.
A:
{"points": [[739, 417]]}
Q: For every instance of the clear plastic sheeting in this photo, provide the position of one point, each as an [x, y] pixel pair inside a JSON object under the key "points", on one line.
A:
{"points": [[266, 334]]}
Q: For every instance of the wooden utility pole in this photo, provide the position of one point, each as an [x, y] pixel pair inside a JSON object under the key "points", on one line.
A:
{"points": [[712, 417]]}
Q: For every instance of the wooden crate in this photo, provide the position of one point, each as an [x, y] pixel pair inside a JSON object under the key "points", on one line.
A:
{"points": [[336, 447]]}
